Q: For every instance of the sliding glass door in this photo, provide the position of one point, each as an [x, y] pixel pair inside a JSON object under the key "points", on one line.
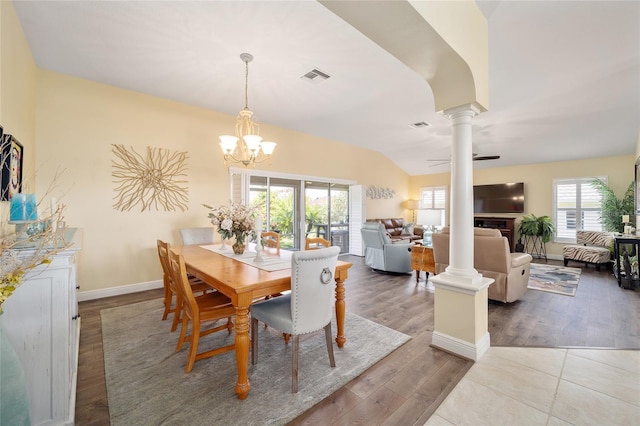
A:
{"points": [[297, 207], [278, 201], [327, 212]]}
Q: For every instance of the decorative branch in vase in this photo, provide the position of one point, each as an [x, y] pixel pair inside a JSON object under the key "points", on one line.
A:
{"points": [[28, 247]]}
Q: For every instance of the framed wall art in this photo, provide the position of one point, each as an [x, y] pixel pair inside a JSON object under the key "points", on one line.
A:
{"points": [[11, 156]]}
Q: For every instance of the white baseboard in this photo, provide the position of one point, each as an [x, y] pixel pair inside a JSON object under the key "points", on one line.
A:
{"points": [[117, 291], [460, 347]]}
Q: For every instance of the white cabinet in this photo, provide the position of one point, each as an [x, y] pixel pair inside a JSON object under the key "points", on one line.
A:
{"points": [[41, 321]]}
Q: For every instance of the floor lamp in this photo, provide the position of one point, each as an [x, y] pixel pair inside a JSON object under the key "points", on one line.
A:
{"points": [[413, 205]]}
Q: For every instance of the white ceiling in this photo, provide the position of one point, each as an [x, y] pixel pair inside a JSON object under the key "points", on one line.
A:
{"points": [[564, 75]]}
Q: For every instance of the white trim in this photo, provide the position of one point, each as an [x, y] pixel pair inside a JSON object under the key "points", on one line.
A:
{"points": [[459, 284], [118, 291], [461, 347], [266, 173]]}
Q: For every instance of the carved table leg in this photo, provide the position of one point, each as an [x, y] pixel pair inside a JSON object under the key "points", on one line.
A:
{"points": [[242, 351], [341, 276]]}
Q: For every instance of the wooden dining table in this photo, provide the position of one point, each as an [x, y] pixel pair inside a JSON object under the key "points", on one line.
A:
{"points": [[244, 283]]}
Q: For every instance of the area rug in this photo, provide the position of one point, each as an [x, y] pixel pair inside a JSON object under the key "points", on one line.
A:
{"points": [[147, 385], [554, 279]]}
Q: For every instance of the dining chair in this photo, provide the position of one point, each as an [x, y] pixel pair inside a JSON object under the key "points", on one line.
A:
{"points": [[170, 289], [314, 243], [202, 235], [271, 239], [208, 308], [306, 309]]}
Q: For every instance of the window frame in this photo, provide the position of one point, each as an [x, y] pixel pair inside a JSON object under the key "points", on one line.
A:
{"points": [[578, 209], [444, 209]]}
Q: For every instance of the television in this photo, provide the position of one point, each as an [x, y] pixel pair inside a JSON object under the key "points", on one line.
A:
{"points": [[499, 198]]}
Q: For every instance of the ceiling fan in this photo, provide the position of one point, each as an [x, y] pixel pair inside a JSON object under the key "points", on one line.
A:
{"points": [[474, 157]]}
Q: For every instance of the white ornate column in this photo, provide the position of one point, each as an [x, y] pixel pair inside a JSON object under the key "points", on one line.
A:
{"points": [[460, 323]]}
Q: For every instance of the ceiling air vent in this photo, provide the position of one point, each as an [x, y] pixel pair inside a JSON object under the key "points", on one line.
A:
{"points": [[315, 76], [419, 125]]}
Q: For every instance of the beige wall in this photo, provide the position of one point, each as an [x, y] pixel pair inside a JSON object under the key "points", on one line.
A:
{"points": [[538, 182], [17, 98], [17, 89], [79, 120]]}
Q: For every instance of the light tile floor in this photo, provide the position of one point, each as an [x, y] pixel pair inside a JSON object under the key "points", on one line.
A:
{"points": [[546, 386]]}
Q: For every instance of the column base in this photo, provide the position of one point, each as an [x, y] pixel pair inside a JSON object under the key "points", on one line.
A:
{"points": [[461, 312], [461, 347], [462, 284]]}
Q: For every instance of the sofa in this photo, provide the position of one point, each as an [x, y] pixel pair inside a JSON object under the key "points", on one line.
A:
{"points": [[398, 230], [381, 253], [493, 259], [591, 247]]}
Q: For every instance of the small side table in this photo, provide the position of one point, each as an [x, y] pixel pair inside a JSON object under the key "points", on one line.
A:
{"points": [[422, 260], [634, 242]]}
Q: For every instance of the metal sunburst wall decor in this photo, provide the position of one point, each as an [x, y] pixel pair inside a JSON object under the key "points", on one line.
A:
{"points": [[155, 181]]}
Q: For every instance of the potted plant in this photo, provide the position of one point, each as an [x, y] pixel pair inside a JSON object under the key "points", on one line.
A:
{"points": [[613, 208], [537, 226]]}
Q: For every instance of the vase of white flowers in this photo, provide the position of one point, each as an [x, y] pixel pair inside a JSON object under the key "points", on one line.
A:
{"points": [[235, 220]]}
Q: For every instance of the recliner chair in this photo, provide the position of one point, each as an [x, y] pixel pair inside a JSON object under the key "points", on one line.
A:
{"points": [[383, 255], [493, 259]]}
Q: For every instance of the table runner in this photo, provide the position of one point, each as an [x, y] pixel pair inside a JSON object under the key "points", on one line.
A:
{"points": [[271, 263]]}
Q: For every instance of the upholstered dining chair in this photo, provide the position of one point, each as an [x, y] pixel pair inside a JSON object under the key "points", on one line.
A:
{"points": [[306, 309], [170, 289], [202, 235], [210, 307], [271, 239], [313, 243]]}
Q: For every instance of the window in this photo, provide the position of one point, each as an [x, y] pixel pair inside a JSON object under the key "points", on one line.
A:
{"points": [[577, 207], [435, 198]]}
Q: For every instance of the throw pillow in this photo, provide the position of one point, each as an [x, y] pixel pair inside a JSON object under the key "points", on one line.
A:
{"points": [[407, 229]]}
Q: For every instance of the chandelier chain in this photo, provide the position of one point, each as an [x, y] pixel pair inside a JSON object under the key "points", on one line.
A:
{"points": [[246, 85]]}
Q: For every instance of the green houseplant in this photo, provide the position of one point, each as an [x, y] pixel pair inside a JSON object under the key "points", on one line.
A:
{"points": [[537, 226], [613, 208]]}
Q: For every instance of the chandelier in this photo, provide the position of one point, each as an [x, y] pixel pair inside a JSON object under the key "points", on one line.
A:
{"points": [[246, 147]]}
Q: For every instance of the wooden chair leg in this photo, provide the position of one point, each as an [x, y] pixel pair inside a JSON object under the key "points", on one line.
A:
{"points": [[229, 325], [168, 295], [193, 349], [183, 333], [177, 313], [329, 338], [254, 341], [294, 364]]}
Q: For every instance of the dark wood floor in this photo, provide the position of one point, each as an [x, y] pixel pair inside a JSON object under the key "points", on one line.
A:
{"points": [[407, 386]]}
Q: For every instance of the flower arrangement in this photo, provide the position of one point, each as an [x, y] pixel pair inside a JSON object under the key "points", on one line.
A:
{"points": [[235, 220]]}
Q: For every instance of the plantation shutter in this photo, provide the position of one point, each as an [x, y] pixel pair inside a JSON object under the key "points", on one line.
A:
{"points": [[357, 216], [578, 206], [435, 198], [591, 206]]}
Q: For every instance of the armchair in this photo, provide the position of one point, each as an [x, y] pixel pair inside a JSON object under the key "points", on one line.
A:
{"points": [[381, 253], [493, 259]]}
